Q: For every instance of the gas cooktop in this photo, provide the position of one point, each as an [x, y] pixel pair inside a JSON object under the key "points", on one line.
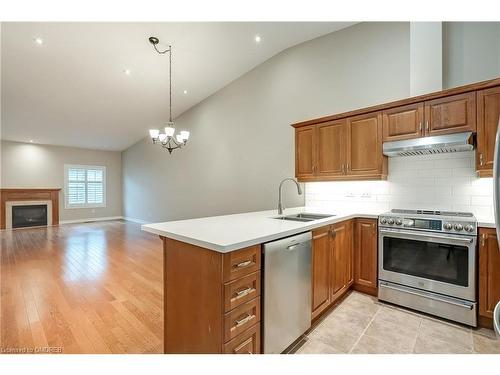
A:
{"points": [[430, 220]]}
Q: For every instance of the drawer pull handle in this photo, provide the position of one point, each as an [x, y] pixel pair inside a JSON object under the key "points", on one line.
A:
{"points": [[243, 264], [245, 320], [243, 344], [244, 292]]}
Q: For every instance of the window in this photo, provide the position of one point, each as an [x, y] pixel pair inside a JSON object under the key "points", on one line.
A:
{"points": [[85, 186]]}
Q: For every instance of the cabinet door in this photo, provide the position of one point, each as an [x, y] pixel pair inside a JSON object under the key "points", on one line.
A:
{"points": [[365, 255], [451, 114], [340, 258], [364, 145], [305, 152], [403, 122], [321, 250], [489, 272], [349, 255], [331, 148], [488, 116]]}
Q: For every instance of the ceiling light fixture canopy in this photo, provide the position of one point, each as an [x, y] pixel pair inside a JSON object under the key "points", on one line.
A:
{"points": [[167, 139]]}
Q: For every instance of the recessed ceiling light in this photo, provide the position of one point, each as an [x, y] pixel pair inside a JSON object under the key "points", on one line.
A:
{"points": [[185, 92], [127, 71], [31, 141], [38, 41], [257, 38]]}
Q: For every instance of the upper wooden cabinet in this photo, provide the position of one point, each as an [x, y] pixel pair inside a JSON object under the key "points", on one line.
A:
{"points": [[404, 122], [331, 150], [305, 152], [489, 275], [348, 146], [488, 117], [346, 149], [364, 146], [451, 114]]}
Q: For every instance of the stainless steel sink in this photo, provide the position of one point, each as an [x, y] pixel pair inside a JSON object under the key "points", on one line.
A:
{"points": [[303, 217]]}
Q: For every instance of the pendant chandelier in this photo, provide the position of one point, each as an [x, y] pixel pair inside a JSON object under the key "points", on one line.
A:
{"points": [[167, 139]]}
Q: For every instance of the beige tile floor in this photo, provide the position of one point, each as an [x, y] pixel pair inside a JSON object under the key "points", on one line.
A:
{"points": [[362, 324]]}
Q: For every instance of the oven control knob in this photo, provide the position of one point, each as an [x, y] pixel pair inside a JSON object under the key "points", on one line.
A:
{"points": [[399, 221], [390, 221], [458, 227], [383, 220], [469, 228], [448, 226]]}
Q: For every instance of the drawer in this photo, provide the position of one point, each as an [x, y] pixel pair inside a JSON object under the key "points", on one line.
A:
{"points": [[241, 262], [241, 318], [241, 290], [246, 343]]}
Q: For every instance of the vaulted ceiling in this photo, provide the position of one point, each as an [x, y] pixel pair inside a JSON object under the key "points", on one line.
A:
{"points": [[102, 86]]}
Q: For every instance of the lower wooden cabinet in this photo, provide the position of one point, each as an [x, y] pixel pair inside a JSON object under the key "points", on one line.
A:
{"points": [[247, 342], [365, 256], [332, 266], [212, 300], [321, 254], [489, 275]]}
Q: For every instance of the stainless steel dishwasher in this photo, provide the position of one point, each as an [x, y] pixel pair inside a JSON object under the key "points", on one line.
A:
{"points": [[287, 291]]}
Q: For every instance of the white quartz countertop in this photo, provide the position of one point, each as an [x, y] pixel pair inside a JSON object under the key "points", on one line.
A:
{"points": [[232, 232], [485, 221]]}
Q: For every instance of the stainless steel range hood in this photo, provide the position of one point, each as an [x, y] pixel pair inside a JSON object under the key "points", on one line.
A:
{"points": [[430, 145]]}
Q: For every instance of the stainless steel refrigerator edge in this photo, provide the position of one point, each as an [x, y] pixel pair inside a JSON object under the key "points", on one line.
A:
{"points": [[287, 291], [496, 206]]}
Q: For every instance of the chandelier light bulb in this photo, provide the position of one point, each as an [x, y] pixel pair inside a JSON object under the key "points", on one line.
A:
{"points": [[154, 133], [162, 137], [184, 135], [179, 138], [169, 131]]}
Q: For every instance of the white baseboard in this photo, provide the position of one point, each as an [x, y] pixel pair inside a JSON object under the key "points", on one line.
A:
{"points": [[91, 219], [138, 221]]}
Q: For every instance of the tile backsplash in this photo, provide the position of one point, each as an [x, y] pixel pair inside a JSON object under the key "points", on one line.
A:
{"points": [[439, 182]]}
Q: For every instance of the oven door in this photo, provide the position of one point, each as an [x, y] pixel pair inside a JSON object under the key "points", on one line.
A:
{"points": [[439, 263]]}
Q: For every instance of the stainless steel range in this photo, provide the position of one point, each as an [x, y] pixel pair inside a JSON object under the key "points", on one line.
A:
{"points": [[427, 262]]}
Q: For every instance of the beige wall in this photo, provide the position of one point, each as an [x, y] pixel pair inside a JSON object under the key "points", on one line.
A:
{"points": [[471, 52], [38, 166], [242, 144]]}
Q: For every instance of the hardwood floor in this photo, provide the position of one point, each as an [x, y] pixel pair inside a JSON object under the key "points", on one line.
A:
{"points": [[81, 288]]}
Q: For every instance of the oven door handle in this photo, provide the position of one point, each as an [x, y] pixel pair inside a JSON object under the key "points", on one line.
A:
{"points": [[426, 236], [427, 295]]}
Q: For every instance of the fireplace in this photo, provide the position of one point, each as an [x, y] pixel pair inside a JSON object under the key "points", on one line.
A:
{"points": [[34, 215], [29, 213]]}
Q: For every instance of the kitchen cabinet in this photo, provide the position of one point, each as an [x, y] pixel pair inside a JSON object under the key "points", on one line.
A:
{"points": [[212, 300], [450, 114], [489, 275], [364, 146], [346, 149], [348, 146], [365, 256], [341, 264], [488, 115], [321, 252], [332, 265], [331, 150], [305, 152], [405, 122]]}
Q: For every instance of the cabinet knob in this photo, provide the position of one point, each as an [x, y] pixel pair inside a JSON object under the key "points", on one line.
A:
{"points": [[483, 240], [481, 159]]}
